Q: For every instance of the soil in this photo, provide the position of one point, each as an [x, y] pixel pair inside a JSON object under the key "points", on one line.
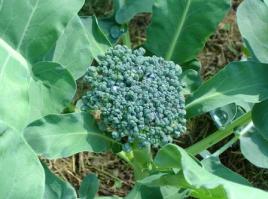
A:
{"points": [[116, 177]]}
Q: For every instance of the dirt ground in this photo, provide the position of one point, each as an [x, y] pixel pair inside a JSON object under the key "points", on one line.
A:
{"points": [[115, 176]]}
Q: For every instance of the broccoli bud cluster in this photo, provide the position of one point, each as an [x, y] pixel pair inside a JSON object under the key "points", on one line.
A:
{"points": [[136, 98]]}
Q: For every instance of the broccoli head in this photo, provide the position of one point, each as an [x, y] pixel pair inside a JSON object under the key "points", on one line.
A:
{"points": [[136, 98]]}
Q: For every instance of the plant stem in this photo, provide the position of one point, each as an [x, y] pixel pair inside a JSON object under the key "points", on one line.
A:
{"points": [[233, 140], [126, 157], [226, 146], [218, 135], [127, 40]]}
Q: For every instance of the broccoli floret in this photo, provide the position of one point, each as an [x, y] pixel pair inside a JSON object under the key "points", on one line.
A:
{"points": [[136, 98]]}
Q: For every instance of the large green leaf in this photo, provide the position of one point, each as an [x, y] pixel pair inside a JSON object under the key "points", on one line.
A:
{"points": [[33, 26], [51, 90], [56, 188], [237, 82], [183, 171], [214, 165], [254, 12], [180, 28], [30, 28], [22, 175], [81, 42], [48, 88], [260, 118], [57, 136], [15, 79], [255, 148], [89, 187], [127, 9]]}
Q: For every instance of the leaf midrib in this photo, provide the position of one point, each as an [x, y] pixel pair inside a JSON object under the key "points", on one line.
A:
{"points": [[75, 133], [202, 98], [178, 31], [27, 25], [21, 38]]}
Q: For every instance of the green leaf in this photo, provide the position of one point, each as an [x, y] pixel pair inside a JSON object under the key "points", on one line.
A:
{"points": [[33, 26], [214, 165], [48, 88], [127, 9], [15, 77], [51, 90], [58, 136], [56, 188], [255, 148], [183, 171], [141, 162], [254, 12], [81, 42], [111, 29], [22, 175], [179, 29], [97, 39], [192, 80], [89, 187], [191, 76], [237, 82], [20, 28], [260, 118], [141, 191]]}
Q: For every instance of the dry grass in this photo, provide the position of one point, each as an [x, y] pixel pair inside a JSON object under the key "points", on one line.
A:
{"points": [[116, 176]]}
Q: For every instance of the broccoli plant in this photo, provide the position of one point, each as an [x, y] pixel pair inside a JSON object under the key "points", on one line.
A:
{"points": [[136, 101]]}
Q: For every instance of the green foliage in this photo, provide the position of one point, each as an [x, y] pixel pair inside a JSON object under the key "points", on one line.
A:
{"points": [[127, 9], [136, 100], [22, 175], [112, 29], [255, 148], [135, 97], [230, 86], [56, 188], [28, 86], [51, 91], [214, 165], [76, 54], [259, 117], [188, 173], [43, 135], [256, 39], [89, 187], [178, 30], [31, 28], [191, 76], [11, 85], [141, 191]]}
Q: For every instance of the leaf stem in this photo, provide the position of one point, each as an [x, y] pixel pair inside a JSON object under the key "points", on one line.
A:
{"points": [[218, 135], [234, 139], [126, 39], [126, 157]]}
